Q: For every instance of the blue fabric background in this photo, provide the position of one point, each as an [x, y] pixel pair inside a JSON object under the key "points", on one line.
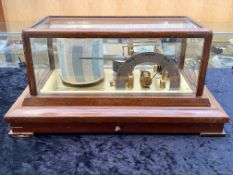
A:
{"points": [[116, 154]]}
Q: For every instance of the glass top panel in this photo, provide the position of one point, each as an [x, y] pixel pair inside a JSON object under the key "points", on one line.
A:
{"points": [[113, 23]]}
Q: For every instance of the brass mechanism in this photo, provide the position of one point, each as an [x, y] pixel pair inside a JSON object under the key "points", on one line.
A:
{"points": [[130, 81], [130, 49], [111, 83], [162, 84], [165, 75], [155, 68], [145, 79], [159, 69]]}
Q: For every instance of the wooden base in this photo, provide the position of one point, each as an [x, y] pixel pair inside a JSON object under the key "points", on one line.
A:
{"points": [[205, 120]]}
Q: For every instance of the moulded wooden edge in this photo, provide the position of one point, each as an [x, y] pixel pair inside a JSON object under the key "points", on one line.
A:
{"points": [[204, 129], [112, 100], [82, 119]]}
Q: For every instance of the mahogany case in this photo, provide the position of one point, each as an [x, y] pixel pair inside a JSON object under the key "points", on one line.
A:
{"points": [[44, 108]]}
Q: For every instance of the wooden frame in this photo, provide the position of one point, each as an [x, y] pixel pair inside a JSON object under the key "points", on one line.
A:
{"points": [[33, 113], [199, 32], [27, 119]]}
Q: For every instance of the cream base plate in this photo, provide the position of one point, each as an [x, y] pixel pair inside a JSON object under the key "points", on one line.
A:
{"points": [[54, 85]]}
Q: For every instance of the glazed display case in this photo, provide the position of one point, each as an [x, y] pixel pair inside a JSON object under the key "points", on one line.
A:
{"points": [[116, 74], [221, 55], [117, 66], [11, 46], [222, 50], [11, 49]]}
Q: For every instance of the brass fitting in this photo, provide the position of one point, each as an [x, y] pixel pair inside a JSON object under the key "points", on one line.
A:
{"points": [[130, 81], [145, 79], [130, 49], [162, 84]]}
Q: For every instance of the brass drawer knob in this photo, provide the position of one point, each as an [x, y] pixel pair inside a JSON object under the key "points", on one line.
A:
{"points": [[117, 128]]}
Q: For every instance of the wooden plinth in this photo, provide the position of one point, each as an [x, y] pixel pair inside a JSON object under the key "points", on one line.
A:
{"points": [[26, 119]]}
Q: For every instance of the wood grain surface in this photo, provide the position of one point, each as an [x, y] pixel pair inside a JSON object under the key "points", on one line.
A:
{"points": [[115, 119], [201, 10]]}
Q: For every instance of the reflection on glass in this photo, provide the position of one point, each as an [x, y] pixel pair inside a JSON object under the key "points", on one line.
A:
{"points": [[193, 57], [117, 65], [116, 23]]}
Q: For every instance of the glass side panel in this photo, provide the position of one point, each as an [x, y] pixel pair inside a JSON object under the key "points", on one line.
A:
{"points": [[117, 66], [40, 60], [115, 23], [193, 57]]}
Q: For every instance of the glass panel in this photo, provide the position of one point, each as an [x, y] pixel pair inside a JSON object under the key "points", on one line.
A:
{"points": [[116, 66], [193, 57], [40, 60], [115, 23]]}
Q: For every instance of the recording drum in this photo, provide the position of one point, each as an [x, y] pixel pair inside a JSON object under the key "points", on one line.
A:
{"points": [[81, 60]]}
